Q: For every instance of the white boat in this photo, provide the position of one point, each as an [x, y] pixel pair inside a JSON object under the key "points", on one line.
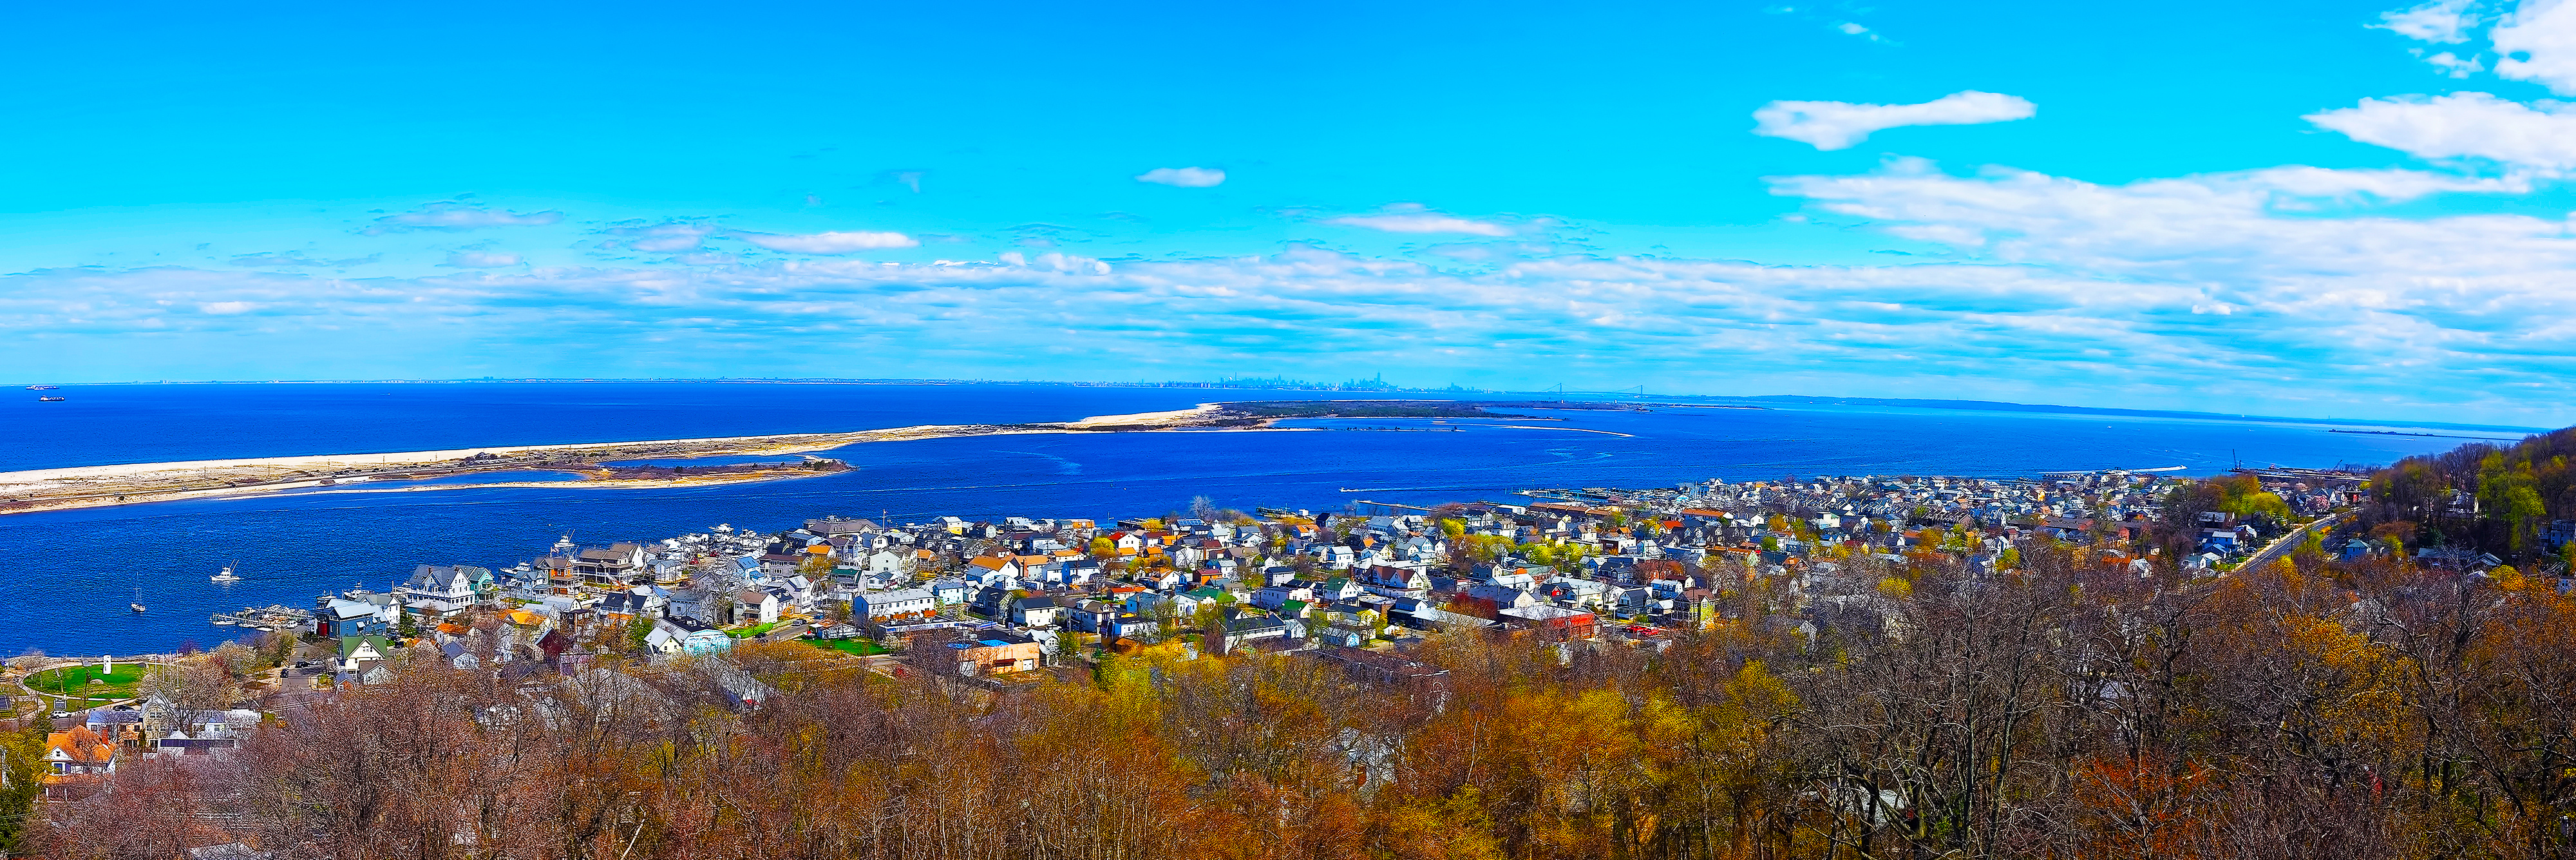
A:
{"points": [[226, 575], [137, 605]]}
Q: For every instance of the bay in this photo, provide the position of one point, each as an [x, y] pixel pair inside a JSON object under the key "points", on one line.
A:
{"points": [[66, 576]]}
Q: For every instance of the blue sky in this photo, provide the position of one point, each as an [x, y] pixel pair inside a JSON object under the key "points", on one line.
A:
{"points": [[2349, 209]]}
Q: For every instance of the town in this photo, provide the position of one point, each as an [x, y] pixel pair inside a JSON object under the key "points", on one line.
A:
{"points": [[960, 622]]}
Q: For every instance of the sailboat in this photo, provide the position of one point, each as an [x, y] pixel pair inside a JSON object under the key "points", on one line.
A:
{"points": [[226, 575], [137, 605]]}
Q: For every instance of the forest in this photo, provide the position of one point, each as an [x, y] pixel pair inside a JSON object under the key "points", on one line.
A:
{"points": [[2497, 499]]}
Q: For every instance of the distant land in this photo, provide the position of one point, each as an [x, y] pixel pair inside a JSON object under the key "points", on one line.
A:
{"points": [[1376, 386]]}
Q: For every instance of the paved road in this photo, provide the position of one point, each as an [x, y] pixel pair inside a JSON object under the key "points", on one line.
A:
{"points": [[2290, 541]]}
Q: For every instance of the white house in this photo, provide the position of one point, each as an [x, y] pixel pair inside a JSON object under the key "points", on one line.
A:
{"points": [[754, 603], [894, 604]]}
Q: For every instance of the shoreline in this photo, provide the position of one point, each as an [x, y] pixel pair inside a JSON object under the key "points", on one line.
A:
{"points": [[79, 487]]}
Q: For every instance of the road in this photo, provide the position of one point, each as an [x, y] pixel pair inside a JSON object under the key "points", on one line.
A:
{"points": [[2290, 541]]}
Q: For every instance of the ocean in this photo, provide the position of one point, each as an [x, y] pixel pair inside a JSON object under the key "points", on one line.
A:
{"points": [[66, 576]]}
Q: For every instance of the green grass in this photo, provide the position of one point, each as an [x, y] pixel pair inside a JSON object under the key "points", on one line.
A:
{"points": [[752, 631], [71, 684], [852, 647], [75, 680]]}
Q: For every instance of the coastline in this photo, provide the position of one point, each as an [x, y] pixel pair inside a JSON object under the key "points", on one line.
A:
{"points": [[79, 487]]}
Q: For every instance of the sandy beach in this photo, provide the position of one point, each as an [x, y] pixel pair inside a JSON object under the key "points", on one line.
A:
{"points": [[139, 483]]}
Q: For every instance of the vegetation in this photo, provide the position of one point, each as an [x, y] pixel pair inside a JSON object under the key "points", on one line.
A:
{"points": [[2063, 708], [2488, 498], [84, 686]]}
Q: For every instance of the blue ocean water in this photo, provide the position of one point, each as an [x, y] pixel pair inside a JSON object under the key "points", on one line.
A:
{"points": [[66, 576]]}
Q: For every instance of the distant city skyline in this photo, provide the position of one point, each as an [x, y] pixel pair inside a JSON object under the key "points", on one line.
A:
{"points": [[2304, 209]]}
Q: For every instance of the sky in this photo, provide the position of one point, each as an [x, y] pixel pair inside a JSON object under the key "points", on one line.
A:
{"points": [[2332, 209]]}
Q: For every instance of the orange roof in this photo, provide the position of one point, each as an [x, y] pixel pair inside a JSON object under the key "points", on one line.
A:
{"points": [[988, 562], [80, 745]]}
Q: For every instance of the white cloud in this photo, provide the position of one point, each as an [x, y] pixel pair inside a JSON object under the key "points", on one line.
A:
{"points": [[2454, 66], [481, 260], [2443, 21], [1183, 177], [671, 236], [2544, 33], [2195, 292], [829, 242], [1839, 125], [1422, 222], [2462, 125], [452, 215]]}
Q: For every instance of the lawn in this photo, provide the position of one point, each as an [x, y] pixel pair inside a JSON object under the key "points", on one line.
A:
{"points": [[852, 647], [73, 684], [752, 631]]}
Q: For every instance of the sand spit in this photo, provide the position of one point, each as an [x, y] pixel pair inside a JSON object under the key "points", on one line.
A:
{"points": [[138, 483]]}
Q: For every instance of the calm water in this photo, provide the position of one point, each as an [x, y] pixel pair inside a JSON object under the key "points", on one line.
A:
{"points": [[68, 575]]}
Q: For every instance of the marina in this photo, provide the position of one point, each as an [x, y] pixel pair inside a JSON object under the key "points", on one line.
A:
{"points": [[274, 617]]}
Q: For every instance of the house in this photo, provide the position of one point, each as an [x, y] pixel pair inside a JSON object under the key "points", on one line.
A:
{"points": [[752, 605], [1132, 627], [76, 761], [210, 733], [950, 592], [610, 567], [444, 590], [1039, 611], [1090, 616], [623, 607], [684, 635], [992, 569], [696, 604], [898, 603], [1337, 636], [360, 655], [995, 652], [1241, 631], [1552, 623], [357, 614], [1394, 581]]}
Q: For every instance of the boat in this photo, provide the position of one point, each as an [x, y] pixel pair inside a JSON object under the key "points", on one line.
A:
{"points": [[226, 575], [49, 400], [137, 605]]}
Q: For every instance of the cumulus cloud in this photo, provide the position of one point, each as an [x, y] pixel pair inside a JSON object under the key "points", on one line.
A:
{"points": [[2462, 125], [2538, 43], [1839, 125], [456, 216], [833, 242], [2442, 21], [481, 260], [1422, 222], [1183, 177]]}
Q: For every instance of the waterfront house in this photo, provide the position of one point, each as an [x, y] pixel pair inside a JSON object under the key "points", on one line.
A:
{"points": [[610, 567], [443, 590], [356, 614]]}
